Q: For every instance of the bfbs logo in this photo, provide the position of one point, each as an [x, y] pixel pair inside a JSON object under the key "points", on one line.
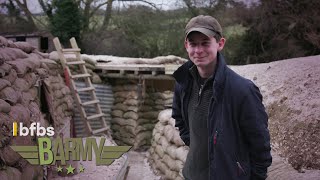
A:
{"points": [[34, 129]]}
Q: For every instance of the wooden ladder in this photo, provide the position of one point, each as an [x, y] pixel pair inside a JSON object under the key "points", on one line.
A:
{"points": [[71, 78]]}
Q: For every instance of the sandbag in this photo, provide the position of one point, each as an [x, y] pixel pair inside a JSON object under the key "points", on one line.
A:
{"points": [[172, 122], [120, 106], [143, 136], [10, 173], [10, 95], [177, 139], [159, 150], [133, 108], [4, 83], [159, 107], [20, 113], [20, 66], [4, 106], [171, 175], [131, 102], [171, 150], [164, 143], [146, 108], [11, 54], [143, 121], [169, 133], [131, 115], [31, 78], [96, 78], [3, 42], [182, 153], [24, 46], [33, 172], [12, 76], [21, 85], [26, 98], [9, 156], [150, 115], [5, 67], [145, 127], [117, 113]]}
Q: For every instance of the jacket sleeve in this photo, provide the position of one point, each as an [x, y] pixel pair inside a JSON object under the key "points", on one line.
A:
{"points": [[254, 125], [177, 115]]}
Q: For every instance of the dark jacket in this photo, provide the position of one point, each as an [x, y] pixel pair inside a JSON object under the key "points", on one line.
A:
{"points": [[239, 140]]}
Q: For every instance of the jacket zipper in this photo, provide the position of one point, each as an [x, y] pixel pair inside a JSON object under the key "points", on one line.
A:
{"points": [[200, 90], [215, 138], [240, 169]]}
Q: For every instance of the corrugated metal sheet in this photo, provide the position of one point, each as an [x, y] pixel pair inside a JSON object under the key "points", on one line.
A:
{"points": [[105, 95]]}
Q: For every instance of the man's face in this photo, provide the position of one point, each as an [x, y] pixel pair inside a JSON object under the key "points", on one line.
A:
{"points": [[202, 50]]}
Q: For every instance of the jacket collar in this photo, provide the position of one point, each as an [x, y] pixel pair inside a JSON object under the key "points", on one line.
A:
{"points": [[183, 76]]}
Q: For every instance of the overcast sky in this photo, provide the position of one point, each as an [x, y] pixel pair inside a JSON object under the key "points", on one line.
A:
{"points": [[161, 4]]}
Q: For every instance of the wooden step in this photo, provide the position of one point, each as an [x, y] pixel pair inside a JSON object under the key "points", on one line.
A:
{"points": [[75, 62], [80, 76], [100, 130], [85, 89], [95, 116], [90, 102], [71, 50]]}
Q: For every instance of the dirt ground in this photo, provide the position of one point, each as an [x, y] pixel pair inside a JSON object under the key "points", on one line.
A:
{"points": [[139, 168], [291, 94]]}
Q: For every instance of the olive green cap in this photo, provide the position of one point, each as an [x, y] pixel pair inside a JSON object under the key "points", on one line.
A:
{"points": [[207, 25]]}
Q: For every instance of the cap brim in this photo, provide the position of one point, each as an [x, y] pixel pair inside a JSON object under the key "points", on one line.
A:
{"points": [[204, 31]]}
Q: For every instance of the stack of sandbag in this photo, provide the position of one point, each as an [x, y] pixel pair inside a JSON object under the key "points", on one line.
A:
{"points": [[135, 113], [89, 63], [22, 70], [125, 115], [18, 103], [167, 153], [60, 101]]}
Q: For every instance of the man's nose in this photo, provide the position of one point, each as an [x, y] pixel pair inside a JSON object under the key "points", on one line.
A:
{"points": [[198, 49]]}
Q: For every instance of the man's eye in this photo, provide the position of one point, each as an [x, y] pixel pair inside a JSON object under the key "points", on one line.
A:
{"points": [[192, 44]]}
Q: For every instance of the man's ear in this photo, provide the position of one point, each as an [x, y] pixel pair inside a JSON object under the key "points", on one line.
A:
{"points": [[186, 43], [221, 43]]}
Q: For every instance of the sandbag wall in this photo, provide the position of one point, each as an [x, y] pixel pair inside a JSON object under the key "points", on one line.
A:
{"points": [[135, 112], [22, 69], [167, 153]]}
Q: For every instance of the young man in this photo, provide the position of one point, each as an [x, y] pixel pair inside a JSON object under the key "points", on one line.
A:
{"points": [[219, 114]]}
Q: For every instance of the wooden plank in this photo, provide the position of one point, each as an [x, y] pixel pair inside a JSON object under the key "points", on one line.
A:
{"points": [[80, 76], [75, 62], [100, 130], [133, 76], [85, 89], [95, 116], [132, 67], [71, 50], [90, 102]]}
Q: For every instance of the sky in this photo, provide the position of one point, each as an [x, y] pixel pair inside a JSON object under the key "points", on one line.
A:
{"points": [[161, 4], [34, 6]]}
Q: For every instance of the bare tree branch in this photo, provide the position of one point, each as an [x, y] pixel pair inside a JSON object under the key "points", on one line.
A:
{"points": [[107, 15], [149, 3], [191, 8], [23, 6]]}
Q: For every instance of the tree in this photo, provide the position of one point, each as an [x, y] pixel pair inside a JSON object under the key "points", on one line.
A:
{"points": [[13, 18], [282, 29], [66, 21]]}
